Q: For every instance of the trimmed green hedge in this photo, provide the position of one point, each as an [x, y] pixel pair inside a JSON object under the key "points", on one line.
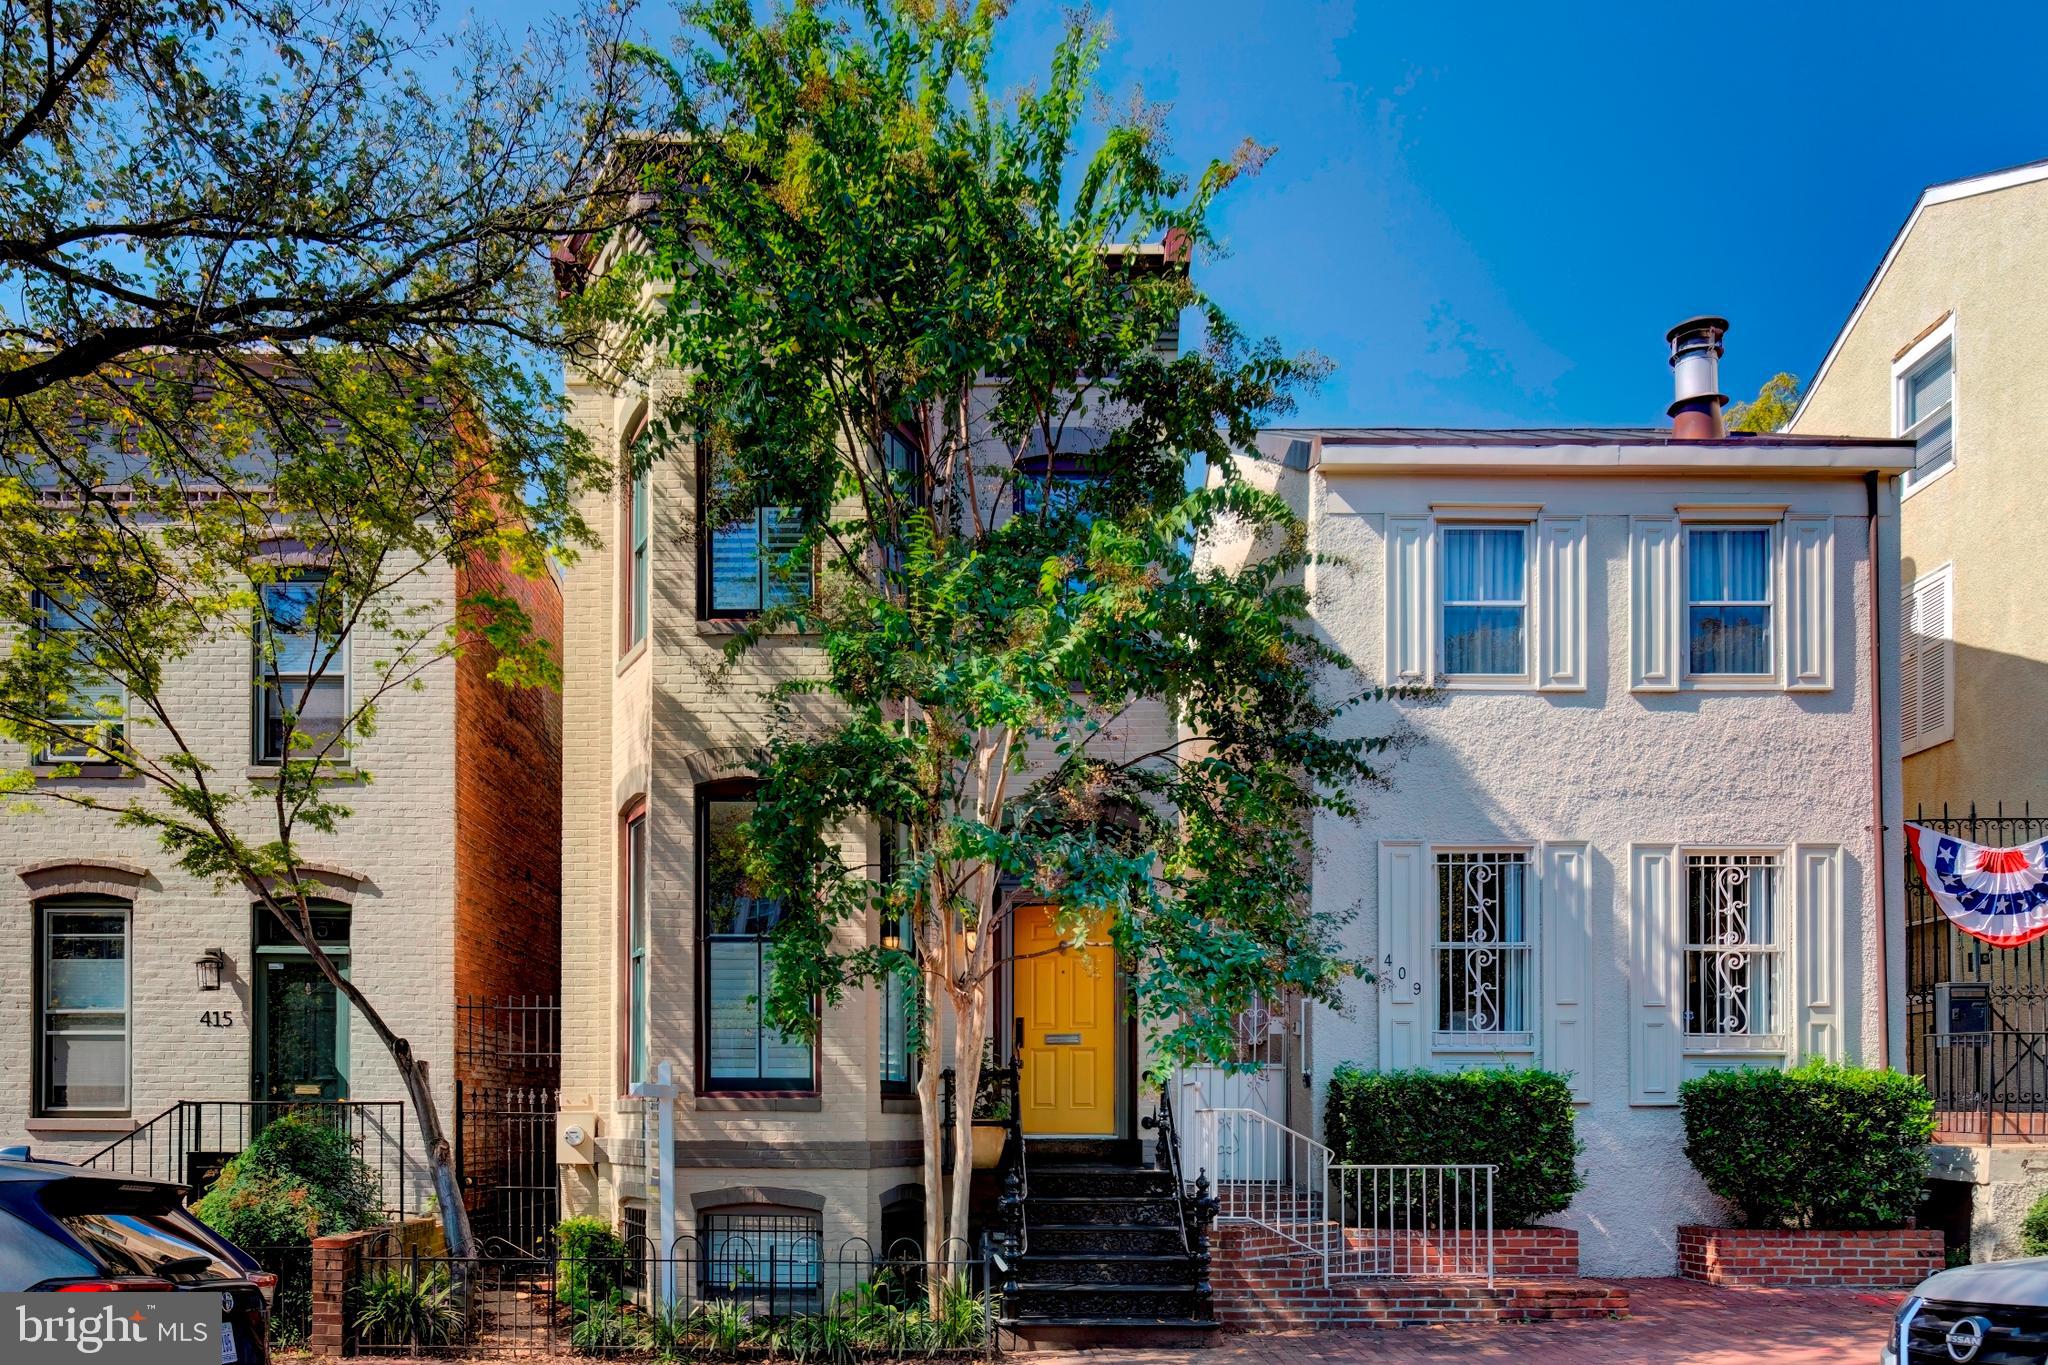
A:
{"points": [[1520, 1121], [1819, 1146]]}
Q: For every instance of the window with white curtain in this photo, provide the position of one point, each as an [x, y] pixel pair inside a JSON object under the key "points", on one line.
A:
{"points": [[1482, 945], [1926, 413], [1733, 953], [1728, 601], [742, 1051], [1486, 601]]}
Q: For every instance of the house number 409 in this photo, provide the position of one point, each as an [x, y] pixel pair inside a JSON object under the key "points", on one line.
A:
{"points": [[217, 1018]]}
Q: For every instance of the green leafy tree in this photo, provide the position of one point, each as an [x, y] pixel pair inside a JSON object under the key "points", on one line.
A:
{"points": [[1772, 407], [274, 284], [894, 296]]}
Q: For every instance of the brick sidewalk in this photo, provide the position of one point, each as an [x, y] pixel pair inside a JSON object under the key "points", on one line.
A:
{"points": [[1671, 1322]]}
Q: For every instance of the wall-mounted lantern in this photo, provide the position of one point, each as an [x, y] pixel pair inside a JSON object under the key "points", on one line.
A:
{"points": [[211, 964]]}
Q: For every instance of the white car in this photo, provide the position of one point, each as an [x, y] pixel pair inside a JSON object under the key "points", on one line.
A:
{"points": [[1991, 1314]]}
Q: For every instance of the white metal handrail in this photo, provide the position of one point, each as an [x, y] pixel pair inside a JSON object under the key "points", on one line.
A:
{"points": [[1393, 1221], [1411, 1222], [1268, 1175]]}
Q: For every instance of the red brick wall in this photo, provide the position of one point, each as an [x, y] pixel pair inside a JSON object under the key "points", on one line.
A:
{"points": [[508, 810], [1895, 1259], [1259, 1285]]}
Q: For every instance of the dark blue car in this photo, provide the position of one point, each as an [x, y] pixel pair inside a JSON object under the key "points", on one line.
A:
{"points": [[73, 1230]]}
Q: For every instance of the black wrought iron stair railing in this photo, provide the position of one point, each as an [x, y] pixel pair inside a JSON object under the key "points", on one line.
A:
{"points": [[1196, 1203]]}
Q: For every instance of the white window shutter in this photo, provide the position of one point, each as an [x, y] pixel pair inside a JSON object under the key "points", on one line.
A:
{"points": [[1566, 916], [1561, 604], [1927, 705], [1656, 973], [1656, 628], [1405, 895], [1411, 601], [1817, 950], [1809, 603]]}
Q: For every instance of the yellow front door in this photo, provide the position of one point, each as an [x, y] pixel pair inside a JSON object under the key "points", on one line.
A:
{"points": [[1066, 997]]}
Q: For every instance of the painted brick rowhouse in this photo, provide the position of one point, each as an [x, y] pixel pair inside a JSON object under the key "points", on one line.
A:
{"points": [[447, 872], [1894, 1258]]}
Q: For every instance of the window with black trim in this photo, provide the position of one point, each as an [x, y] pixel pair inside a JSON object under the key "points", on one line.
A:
{"points": [[301, 670], [762, 1253], [898, 1061], [94, 712], [750, 565], [82, 1023], [636, 948], [741, 1051]]}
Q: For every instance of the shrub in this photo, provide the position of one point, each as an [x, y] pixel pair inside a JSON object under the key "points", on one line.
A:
{"points": [[2034, 1231], [1819, 1146], [604, 1326], [1519, 1121], [298, 1179], [393, 1308], [592, 1262]]}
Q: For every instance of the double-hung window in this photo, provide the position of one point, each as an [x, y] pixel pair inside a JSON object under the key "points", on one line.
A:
{"points": [[742, 1051], [1482, 945], [82, 1014], [1734, 957], [301, 678], [639, 565], [1486, 601], [92, 717], [636, 948], [1728, 578], [1926, 410], [898, 1060], [753, 564]]}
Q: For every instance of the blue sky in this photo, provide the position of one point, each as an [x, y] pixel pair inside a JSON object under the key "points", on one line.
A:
{"points": [[1488, 214]]}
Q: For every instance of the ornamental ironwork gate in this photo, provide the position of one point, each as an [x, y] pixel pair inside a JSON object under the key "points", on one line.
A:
{"points": [[1977, 1016], [508, 1057]]}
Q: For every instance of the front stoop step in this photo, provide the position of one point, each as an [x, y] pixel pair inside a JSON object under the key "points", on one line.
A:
{"points": [[1069, 1334], [1247, 1299]]}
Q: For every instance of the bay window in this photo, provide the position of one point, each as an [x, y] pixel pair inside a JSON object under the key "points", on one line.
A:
{"points": [[741, 1050]]}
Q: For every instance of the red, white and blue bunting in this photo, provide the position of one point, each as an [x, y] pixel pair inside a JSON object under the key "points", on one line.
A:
{"points": [[1999, 895]]}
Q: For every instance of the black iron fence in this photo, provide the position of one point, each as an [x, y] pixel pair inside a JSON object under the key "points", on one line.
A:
{"points": [[1988, 1086], [505, 1138], [189, 1143], [758, 1295]]}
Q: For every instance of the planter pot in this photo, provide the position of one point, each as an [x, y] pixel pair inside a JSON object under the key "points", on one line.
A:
{"points": [[1894, 1258], [988, 1145]]}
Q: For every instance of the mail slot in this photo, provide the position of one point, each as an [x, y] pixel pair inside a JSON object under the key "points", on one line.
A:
{"points": [[1063, 1040]]}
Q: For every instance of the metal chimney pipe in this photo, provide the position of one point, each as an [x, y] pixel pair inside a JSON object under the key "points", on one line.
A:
{"points": [[1696, 397]]}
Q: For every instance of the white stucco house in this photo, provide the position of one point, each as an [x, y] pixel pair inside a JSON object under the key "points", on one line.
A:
{"points": [[1648, 823]]}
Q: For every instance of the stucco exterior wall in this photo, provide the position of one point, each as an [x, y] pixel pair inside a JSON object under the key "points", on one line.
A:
{"points": [[1984, 261], [1607, 766], [399, 838]]}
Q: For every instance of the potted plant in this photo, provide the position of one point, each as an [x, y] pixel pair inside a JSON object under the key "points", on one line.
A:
{"points": [[992, 1112]]}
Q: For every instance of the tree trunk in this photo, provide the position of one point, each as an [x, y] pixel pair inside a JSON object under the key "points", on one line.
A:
{"points": [[931, 1130], [971, 1024]]}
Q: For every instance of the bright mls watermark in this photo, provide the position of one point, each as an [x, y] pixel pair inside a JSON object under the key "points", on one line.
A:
{"points": [[112, 1329]]}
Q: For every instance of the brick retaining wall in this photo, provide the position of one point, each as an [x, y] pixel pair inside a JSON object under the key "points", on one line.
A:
{"points": [[338, 1260], [1897, 1258]]}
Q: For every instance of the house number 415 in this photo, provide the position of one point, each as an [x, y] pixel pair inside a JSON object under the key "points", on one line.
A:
{"points": [[217, 1018]]}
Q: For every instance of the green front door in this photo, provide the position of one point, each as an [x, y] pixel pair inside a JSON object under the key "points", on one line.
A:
{"points": [[304, 1045], [301, 1020]]}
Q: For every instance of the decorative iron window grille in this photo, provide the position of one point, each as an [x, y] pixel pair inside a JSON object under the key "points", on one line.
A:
{"points": [[747, 1255], [1733, 962], [1482, 943]]}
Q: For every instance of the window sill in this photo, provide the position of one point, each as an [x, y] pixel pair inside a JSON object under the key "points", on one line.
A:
{"points": [[1735, 682], [343, 775], [1483, 1044], [899, 1104], [760, 1104], [82, 1125], [718, 626], [86, 772], [1453, 682], [1919, 486], [1709, 1045], [630, 657]]}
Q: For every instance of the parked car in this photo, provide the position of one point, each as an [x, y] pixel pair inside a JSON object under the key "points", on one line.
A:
{"points": [[1990, 1314], [73, 1230]]}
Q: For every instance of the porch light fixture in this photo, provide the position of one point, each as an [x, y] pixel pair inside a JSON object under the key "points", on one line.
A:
{"points": [[970, 936], [892, 933], [210, 964]]}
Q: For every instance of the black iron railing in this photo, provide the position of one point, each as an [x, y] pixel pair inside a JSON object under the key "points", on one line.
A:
{"points": [[188, 1143], [1988, 1086]]}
